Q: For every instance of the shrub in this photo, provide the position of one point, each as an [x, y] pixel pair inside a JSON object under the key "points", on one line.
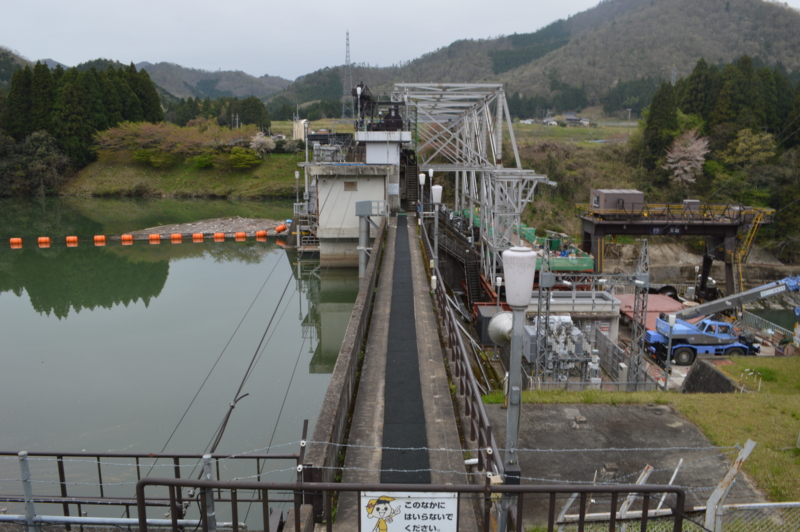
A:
{"points": [[243, 159], [205, 160], [154, 158]]}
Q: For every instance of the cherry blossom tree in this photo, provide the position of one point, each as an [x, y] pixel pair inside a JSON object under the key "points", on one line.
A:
{"points": [[262, 144], [686, 156]]}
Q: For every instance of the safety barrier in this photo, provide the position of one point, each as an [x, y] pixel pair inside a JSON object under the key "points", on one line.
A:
{"points": [[154, 238], [686, 213], [85, 487], [416, 517], [760, 324], [480, 427]]}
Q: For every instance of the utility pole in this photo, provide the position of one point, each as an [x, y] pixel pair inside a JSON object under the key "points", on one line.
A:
{"points": [[629, 124]]}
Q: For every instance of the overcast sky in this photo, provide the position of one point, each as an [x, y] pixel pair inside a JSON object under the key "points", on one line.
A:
{"points": [[284, 38]]}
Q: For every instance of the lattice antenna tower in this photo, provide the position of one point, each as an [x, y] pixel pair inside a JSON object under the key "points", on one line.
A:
{"points": [[348, 106]]}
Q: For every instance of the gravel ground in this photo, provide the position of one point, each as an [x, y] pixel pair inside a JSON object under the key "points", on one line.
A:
{"points": [[216, 225]]}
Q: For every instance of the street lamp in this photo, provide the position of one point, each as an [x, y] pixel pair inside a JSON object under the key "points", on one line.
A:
{"points": [[671, 321], [436, 196], [421, 192], [519, 266], [297, 186]]}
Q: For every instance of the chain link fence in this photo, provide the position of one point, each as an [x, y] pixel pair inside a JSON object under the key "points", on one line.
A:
{"points": [[654, 524], [762, 518], [769, 517]]}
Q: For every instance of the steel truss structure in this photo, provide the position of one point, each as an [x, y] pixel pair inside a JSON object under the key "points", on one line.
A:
{"points": [[460, 129]]}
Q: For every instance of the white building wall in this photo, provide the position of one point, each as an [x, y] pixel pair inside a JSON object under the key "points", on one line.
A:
{"points": [[336, 202]]}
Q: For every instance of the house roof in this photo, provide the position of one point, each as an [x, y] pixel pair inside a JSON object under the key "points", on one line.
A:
{"points": [[656, 304]]}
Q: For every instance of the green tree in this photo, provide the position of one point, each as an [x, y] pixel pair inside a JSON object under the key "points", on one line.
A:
{"points": [[784, 98], [770, 97], [111, 100], [148, 96], [71, 127], [43, 97], [790, 133], [730, 98], [18, 110], [45, 165], [697, 92], [58, 71], [93, 92], [755, 113], [662, 122], [749, 149], [252, 111], [3, 103], [129, 102]]}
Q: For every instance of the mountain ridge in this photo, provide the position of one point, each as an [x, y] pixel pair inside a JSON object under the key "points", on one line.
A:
{"points": [[615, 40]]}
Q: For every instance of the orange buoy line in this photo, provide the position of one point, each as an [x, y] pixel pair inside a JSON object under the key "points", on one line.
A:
{"points": [[154, 238]]}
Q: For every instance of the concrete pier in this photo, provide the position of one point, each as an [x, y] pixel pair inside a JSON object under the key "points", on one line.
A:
{"points": [[376, 425]]}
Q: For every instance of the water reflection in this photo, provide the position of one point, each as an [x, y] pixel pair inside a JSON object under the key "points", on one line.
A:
{"points": [[105, 324], [328, 295], [140, 348], [57, 280]]}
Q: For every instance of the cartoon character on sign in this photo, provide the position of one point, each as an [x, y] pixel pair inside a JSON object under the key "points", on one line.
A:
{"points": [[381, 510]]}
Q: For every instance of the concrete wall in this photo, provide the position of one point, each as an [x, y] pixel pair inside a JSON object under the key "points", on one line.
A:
{"points": [[333, 416], [704, 377]]}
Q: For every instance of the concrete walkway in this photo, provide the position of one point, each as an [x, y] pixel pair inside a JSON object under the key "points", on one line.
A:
{"points": [[364, 457]]}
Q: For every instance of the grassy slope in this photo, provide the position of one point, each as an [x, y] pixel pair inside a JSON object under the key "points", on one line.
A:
{"points": [[771, 418], [115, 173]]}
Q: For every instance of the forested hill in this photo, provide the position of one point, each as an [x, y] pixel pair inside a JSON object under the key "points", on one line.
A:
{"points": [[184, 82], [615, 40], [9, 62]]}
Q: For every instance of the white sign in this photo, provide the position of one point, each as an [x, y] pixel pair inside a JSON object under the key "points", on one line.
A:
{"points": [[772, 291], [393, 189], [408, 512]]}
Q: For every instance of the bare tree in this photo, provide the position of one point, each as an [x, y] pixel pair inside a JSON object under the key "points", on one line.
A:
{"points": [[685, 157]]}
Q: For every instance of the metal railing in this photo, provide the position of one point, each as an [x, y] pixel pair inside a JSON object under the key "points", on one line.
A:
{"points": [[89, 486], [684, 213], [480, 428], [759, 323], [541, 496]]}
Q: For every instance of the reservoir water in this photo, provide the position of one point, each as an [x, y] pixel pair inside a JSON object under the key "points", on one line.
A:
{"points": [[142, 348]]}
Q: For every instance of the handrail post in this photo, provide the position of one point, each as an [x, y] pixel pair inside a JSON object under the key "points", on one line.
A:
{"points": [[208, 495], [30, 510]]}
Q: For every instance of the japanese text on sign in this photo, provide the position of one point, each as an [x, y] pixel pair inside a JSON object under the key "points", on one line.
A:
{"points": [[409, 512]]}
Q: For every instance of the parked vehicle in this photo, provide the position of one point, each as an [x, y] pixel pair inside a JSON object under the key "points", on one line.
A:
{"points": [[710, 336]]}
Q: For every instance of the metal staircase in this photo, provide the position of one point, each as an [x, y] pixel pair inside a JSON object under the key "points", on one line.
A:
{"points": [[472, 269], [412, 186]]}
